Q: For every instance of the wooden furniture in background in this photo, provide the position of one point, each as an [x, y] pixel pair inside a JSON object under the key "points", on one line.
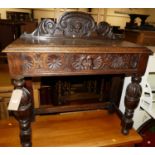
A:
{"points": [[133, 25], [75, 46], [143, 34], [10, 30], [141, 37], [18, 16], [71, 129]]}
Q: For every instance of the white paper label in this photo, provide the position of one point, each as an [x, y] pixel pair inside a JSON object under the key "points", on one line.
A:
{"points": [[15, 100]]}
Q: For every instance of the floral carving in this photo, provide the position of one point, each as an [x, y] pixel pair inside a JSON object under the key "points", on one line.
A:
{"points": [[97, 62], [27, 63], [86, 62], [134, 60], [104, 61], [118, 62], [38, 62], [54, 62], [83, 62]]}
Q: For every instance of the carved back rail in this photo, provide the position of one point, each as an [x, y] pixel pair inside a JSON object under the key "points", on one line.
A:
{"points": [[71, 24]]}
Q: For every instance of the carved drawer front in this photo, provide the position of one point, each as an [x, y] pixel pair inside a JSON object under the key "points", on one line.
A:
{"points": [[30, 64], [103, 62], [42, 62]]}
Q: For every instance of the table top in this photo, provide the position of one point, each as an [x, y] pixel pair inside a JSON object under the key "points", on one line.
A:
{"points": [[75, 45]]}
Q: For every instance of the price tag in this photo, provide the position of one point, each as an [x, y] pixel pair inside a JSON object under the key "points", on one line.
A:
{"points": [[15, 99]]}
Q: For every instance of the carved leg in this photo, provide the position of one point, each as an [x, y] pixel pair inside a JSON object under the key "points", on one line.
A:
{"points": [[133, 94], [24, 113]]}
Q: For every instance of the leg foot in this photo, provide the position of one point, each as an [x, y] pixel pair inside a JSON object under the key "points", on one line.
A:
{"points": [[24, 113]]}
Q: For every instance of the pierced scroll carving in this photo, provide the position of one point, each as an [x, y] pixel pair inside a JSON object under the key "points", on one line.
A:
{"points": [[71, 24], [46, 27]]}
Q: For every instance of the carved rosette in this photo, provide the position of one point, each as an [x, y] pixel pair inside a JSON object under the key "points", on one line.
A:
{"points": [[33, 62], [28, 63], [54, 62], [86, 62]]}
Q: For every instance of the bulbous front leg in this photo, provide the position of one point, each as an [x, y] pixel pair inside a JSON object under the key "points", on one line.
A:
{"points": [[24, 113], [132, 97]]}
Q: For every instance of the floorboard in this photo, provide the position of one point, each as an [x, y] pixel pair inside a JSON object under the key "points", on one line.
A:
{"points": [[89, 128]]}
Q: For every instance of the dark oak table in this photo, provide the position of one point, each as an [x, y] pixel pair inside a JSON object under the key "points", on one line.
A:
{"points": [[74, 46]]}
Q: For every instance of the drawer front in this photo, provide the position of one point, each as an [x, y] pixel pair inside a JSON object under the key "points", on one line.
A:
{"points": [[40, 64]]}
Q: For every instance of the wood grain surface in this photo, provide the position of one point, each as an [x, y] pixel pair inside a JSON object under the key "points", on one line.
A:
{"points": [[93, 128]]}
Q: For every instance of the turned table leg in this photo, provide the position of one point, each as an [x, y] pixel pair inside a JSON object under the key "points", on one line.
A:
{"points": [[24, 113], [132, 97]]}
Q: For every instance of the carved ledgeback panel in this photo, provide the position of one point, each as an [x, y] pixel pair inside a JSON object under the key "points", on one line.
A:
{"points": [[32, 64], [76, 24], [71, 24]]}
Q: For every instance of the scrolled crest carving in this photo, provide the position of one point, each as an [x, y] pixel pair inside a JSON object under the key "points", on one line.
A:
{"points": [[105, 30], [46, 28], [77, 24], [71, 24]]}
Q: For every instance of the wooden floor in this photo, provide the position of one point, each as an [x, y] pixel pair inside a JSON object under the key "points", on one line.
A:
{"points": [[93, 128]]}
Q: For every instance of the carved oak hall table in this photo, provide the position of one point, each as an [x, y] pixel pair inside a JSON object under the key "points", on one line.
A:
{"points": [[74, 46]]}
